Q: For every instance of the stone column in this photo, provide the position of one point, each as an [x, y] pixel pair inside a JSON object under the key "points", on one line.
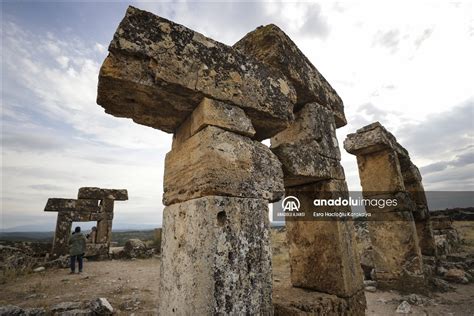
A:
{"points": [[216, 254], [61, 235], [104, 225], [414, 186], [396, 251], [323, 255]]}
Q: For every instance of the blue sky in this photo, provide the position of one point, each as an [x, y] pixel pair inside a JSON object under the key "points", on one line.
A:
{"points": [[408, 65]]}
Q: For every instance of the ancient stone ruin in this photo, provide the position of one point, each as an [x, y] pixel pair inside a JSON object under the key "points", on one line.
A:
{"points": [[400, 234], [220, 102], [92, 204]]}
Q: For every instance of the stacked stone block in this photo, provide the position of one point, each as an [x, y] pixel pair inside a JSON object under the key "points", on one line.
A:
{"points": [[323, 255], [219, 102], [92, 204], [399, 234], [216, 255]]}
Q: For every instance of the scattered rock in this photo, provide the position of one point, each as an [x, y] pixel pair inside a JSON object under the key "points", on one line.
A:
{"points": [[371, 289], [456, 276], [135, 248], [404, 308], [416, 299], [65, 306], [441, 271], [39, 269], [441, 285], [370, 283], [10, 310], [77, 312], [101, 306]]}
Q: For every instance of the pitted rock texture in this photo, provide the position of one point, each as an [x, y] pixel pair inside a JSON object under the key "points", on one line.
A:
{"points": [[99, 194], [158, 71], [323, 254], [214, 113], [224, 265], [56, 205], [272, 46], [372, 138], [380, 172], [292, 301], [308, 148], [395, 249], [218, 162]]}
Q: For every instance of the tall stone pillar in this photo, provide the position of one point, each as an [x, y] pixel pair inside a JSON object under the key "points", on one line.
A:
{"points": [[61, 235], [216, 254], [414, 186], [396, 252], [323, 256]]}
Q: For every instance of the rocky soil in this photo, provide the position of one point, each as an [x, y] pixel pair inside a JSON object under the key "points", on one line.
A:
{"points": [[131, 286]]}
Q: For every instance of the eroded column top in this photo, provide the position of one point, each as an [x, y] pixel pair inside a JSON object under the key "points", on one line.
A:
{"points": [[372, 138]]}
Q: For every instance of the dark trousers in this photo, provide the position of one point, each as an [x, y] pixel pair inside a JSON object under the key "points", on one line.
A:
{"points": [[73, 262]]}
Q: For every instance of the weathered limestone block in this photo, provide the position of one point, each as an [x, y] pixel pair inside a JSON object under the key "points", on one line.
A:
{"points": [[372, 138], [218, 162], [313, 129], [426, 239], [273, 47], [216, 257], [396, 252], [292, 301], [214, 113], [61, 236], [158, 71], [323, 254], [380, 172], [58, 205], [308, 148], [104, 231], [99, 194]]}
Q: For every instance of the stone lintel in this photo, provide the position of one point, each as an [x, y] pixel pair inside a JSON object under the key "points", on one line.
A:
{"points": [[100, 194], [372, 138], [272, 46], [158, 71], [60, 205]]}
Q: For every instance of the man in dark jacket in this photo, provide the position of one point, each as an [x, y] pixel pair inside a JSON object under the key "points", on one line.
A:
{"points": [[77, 248]]}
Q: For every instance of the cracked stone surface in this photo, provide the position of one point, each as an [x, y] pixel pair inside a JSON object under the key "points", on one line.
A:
{"points": [[158, 71], [224, 265], [273, 47], [217, 162]]}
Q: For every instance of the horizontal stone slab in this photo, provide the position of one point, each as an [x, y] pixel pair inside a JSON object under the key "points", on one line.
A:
{"points": [[272, 46], [216, 257], [214, 113], [372, 138], [158, 71], [100, 194], [218, 162], [58, 205]]}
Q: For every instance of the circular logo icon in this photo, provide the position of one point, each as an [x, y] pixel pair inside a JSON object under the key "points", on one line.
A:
{"points": [[290, 204]]}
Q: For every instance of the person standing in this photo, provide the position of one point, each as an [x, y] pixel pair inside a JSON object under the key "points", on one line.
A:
{"points": [[77, 248]]}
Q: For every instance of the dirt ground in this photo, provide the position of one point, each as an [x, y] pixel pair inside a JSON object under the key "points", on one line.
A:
{"points": [[131, 286]]}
